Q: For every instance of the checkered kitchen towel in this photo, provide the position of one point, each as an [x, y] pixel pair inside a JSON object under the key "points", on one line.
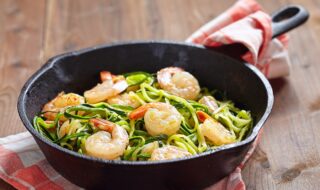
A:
{"points": [[246, 23], [24, 166]]}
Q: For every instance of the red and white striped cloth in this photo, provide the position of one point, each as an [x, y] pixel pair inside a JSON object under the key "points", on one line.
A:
{"points": [[246, 23], [23, 165]]}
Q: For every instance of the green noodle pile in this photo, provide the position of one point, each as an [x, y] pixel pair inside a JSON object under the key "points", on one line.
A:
{"points": [[145, 89]]}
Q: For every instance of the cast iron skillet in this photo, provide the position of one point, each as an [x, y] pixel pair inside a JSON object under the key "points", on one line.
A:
{"points": [[78, 71]]}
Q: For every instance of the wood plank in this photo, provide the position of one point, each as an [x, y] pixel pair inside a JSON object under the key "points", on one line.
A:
{"points": [[20, 49], [70, 24], [288, 155]]}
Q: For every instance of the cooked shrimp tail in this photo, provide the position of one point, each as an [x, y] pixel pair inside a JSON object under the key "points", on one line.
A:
{"points": [[102, 124], [202, 116], [139, 112], [105, 75], [111, 86], [214, 130]]}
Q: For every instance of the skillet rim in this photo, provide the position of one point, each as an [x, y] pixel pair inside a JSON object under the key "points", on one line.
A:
{"points": [[52, 61]]}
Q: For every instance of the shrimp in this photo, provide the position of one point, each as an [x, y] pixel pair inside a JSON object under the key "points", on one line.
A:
{"points": [[69, 127], [109, 143], [106, 75], [102, 124], [178, 82], [111, 86], [215, 131], [210, 102], [169, 152], [149, 148], [125, 99], [59, 103], [159, 118]]}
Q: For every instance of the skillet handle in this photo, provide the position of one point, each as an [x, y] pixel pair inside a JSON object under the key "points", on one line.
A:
{"points": [[288, 18]]}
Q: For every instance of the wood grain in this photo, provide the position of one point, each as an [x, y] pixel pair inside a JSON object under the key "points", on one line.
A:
{"points": [[32, 31], [20, 49], [21, 38]]}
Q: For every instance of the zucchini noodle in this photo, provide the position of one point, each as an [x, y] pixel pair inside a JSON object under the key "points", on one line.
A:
{"points": [[75, 124]]}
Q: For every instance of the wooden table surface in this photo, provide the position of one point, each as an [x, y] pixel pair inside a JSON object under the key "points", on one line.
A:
{"points": [[288, 155]]}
